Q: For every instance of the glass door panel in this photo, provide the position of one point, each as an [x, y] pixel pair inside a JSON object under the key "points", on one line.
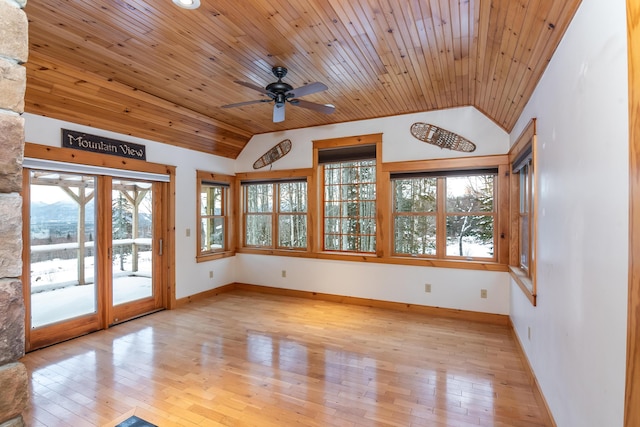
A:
{"points": [[62, 234], [132, 240]]}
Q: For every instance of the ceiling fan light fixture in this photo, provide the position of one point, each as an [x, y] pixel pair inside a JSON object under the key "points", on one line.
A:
{"points": [[187, 4]]}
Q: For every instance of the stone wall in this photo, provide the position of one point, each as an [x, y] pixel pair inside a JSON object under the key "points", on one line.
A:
{"points": [[13, 52]]}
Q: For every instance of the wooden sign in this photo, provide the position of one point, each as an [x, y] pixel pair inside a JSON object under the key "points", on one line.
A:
{"points": [[276, 152], [99, 144], [441, 137]]}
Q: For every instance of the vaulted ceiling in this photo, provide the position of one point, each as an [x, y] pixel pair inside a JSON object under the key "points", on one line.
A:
{"points": [[151, 69]]}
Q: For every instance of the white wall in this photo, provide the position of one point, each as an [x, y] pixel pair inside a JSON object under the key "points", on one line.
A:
{"points": [[578, 330], [398, 144], [451, 288], [191, 277]]}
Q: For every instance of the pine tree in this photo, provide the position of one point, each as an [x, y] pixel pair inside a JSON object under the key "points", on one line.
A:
{"points": [[122, 220]]}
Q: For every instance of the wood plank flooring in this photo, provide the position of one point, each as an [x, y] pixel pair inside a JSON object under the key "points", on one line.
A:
{"points": [[250, 359]]}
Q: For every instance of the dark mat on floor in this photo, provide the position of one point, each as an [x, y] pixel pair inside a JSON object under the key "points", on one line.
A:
{"points": [[135, 422]]}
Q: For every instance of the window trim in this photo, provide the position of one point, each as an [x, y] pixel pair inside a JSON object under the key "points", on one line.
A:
{"points": [[382, 199], [359, 201], [526, 280], [441, 213], [274, 177], [501, 206], [229, 208]]}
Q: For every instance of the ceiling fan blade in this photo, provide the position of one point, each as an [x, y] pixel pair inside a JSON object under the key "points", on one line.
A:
{"points": [[240, 104], [307, 89], [278, 113], [321, 108], [254, 87]]}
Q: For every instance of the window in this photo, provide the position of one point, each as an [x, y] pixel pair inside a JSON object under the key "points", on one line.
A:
{"points": [[444, 214], [524, 218], [349, 205], [470, 216], [275, 209], [214, 217], [522, 261], [414, 216], [292, 218]]}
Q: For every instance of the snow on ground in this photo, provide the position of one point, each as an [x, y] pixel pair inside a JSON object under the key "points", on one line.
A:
{"points": [[72, 301], [56, 295]]}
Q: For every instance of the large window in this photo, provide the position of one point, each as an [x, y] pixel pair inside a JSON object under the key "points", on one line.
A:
{"points": [[214, 215], [444, 214], [275, 214], [350, 206]]}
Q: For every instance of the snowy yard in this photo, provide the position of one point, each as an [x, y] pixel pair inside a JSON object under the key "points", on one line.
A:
{"points": [[56, 296]]}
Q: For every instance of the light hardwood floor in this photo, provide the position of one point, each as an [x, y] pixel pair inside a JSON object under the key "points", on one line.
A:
{"points": [[251, 359]]}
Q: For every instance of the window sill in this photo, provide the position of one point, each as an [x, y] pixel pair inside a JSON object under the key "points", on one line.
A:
{"points": [[525, 283], [451, 263], [210, 256], [360, 257]]}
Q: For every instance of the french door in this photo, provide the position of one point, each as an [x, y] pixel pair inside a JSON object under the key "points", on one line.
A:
{"points": [[95, 252], [134, 250]]}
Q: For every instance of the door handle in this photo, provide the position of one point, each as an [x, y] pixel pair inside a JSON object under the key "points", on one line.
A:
{"points": [[160, 247]]}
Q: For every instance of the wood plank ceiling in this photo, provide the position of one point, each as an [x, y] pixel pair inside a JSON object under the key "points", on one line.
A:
{"points": [[153, 70]]}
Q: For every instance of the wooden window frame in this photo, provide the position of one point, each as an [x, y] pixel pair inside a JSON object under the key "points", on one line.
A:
{"points": [[441, 214], [203, 177], [339, 143], [446, 214], [359, 233], [456, 166], [279, 213], [524, 277], [273, 177], [395, 214]]}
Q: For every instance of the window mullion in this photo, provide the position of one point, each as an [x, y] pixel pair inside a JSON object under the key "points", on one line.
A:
{"points": [[441, 218], [275, 214]]}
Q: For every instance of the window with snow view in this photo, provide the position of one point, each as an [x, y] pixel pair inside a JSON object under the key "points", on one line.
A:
{"points": [[444, 214]]}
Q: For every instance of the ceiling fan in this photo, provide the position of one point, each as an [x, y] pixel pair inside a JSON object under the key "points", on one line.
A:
{"points": [[281, 93]]}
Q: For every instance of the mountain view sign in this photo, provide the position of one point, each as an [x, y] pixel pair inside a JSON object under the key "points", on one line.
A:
{"points": [[98, 144]]}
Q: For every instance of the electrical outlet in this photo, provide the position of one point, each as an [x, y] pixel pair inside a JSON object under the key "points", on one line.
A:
{"points": [[284, 273], [210, 274], [483, 293], [427, 287], [188, 232]]}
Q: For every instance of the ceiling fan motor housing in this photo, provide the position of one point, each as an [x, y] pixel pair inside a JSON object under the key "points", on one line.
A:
{"points": [[279, 89]]}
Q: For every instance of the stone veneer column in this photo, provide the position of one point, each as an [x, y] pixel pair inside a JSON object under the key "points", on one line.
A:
{"points": [[14, 393]]}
